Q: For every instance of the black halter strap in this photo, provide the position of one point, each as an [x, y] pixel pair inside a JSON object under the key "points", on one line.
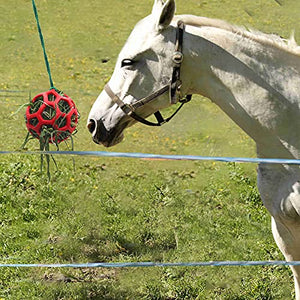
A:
{"points": [[177, 60], [173, 87]]}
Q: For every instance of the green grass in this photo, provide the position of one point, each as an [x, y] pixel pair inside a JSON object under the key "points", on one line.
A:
{"points": [[126, 210]]}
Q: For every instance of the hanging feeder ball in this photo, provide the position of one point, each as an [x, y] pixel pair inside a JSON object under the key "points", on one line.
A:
{"points": [[53, 113]]}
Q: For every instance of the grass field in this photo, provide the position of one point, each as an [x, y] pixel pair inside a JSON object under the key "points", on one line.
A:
{"points": [[124, 210]]}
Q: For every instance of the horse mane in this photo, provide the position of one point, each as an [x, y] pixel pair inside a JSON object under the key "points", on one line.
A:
{"points": [[288, 45]]}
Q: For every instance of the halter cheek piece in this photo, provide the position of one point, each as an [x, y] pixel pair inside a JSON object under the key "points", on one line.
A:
{"points": [[173, 87]]}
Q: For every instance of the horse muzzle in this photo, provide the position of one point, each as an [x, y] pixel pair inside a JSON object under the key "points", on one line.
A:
{"points": [[103, 136]]}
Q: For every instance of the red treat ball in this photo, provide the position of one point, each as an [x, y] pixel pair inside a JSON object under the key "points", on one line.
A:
{"points": [[54, 113]]}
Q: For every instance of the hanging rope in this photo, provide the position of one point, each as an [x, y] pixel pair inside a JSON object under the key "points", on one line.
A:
{"points": [[43, 45]]}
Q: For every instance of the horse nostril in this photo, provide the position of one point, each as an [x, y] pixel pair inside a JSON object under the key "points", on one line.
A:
{"points": [[91, 125]]}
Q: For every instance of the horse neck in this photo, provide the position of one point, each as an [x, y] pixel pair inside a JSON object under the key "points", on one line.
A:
{"points": [[256, 85]]}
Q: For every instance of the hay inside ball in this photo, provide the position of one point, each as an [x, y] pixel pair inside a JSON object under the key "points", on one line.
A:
{"points": [[53, 115]]}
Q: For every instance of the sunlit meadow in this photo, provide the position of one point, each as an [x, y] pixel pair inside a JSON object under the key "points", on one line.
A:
{"points": [[126, 210]]}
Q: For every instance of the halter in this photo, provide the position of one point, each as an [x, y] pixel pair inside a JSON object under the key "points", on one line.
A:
{"points": [[173, 87]]}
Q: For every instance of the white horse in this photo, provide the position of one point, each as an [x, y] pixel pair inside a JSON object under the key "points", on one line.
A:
{"points": [[253, 77]]}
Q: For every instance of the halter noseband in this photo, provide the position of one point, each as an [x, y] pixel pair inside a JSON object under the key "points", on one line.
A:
{"points": [[173, 87]]}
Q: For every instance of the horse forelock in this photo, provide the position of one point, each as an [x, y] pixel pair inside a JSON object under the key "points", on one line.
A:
{"points": [[288, 45]]}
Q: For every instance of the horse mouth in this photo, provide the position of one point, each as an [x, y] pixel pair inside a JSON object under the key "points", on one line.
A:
{"points": [[102, 136], [110, 142]]}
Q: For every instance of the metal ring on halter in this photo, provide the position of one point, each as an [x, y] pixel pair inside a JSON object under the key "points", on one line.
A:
{"points": [[177, 57]]}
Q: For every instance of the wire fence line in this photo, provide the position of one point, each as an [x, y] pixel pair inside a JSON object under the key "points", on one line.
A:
{"points": [[150, 156], [13, 91], [24, 93], [156, 264]]}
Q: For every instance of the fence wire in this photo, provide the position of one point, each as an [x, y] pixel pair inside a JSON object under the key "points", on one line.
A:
{"points": [[150, 156], [156, 264]]}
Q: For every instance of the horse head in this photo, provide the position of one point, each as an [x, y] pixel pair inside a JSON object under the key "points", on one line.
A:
{"points": [[144, 68]]}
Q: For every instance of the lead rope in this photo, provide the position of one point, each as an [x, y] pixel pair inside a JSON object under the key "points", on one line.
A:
{"points": [[43, 45]]}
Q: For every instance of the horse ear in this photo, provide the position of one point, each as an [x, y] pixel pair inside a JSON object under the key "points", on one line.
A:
{"points": [[164, 12], [158, 5]]}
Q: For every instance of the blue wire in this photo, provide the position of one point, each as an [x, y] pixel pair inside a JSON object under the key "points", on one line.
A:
{"points": [[161, 156], [156, 264]]}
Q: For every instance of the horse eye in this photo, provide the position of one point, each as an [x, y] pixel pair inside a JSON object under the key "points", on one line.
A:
{"points": [[126, 62]]}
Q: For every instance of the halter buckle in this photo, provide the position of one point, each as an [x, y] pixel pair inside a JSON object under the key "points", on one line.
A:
{"points": [[177, 58], [127, 109]]}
